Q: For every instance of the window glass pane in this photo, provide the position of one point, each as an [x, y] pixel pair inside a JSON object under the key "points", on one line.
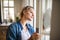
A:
{"points": [[49, 4], [11, 11], [45, 37], [5, 3], [43, 6], [47, 16], [5, 13], [11, 3]]}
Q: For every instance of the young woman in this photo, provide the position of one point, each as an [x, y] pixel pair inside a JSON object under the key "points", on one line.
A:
{"points": [[21, 30]]}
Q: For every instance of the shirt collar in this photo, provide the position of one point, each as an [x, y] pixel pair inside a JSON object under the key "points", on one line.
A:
{"points": [[21, 25]]}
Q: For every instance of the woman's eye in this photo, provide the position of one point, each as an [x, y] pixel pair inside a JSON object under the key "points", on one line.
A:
{"points": [[30, 12]]}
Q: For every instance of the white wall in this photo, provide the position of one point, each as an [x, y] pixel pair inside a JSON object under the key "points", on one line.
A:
{"points": [[19, 4]]}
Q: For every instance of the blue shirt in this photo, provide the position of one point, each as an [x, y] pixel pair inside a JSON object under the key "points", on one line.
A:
{"points": [[14, 31]]}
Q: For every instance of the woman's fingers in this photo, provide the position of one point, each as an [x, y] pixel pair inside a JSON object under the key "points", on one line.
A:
{"points": [[35, 36]]}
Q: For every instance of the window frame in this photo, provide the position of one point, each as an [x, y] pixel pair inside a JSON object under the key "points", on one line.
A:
{"points": [[2, 8]]}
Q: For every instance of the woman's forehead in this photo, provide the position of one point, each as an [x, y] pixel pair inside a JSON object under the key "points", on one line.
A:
{"points": [[31, 9]]}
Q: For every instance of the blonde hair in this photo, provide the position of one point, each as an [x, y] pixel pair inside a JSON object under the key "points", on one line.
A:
{"points": [[25, 8]]}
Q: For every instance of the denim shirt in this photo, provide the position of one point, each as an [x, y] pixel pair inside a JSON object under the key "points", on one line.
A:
{"points": [[14, 31]]}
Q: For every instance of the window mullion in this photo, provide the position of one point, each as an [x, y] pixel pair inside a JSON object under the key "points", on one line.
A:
{"points": [[8, 7]]}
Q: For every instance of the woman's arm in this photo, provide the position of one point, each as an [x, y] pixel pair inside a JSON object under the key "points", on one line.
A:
{"points": [[11, 33]]}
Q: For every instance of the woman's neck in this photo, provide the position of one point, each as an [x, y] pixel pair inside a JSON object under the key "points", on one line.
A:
{"points": [[23, 21]]}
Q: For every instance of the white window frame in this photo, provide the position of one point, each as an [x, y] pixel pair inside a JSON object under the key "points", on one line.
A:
{"points": [[2, 9]]}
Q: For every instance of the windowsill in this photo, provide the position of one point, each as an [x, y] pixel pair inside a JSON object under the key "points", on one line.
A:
{"points": [[4, 24]]}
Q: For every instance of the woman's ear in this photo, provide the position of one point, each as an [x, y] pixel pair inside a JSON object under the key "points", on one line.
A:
{"points": [[24, 12]]}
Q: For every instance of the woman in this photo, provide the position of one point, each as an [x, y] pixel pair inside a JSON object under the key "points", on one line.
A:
{"points": [[21, 30]]}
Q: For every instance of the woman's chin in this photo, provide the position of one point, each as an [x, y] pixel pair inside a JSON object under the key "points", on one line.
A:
{"points": [[30, 19]]}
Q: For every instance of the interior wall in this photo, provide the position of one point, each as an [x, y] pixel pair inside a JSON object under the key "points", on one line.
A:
{"points": [[19, 4], [0, 12], [55, 21]]}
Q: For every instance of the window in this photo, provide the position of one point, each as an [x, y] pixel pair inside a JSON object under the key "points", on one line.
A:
{"points": [[7, 10], [46, 11]]}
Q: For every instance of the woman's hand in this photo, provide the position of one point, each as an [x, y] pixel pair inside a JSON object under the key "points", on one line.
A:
{"points": [[35, 36]]}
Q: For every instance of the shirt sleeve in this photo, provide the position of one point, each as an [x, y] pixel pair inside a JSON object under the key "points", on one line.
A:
{"points": [[11, 33]]}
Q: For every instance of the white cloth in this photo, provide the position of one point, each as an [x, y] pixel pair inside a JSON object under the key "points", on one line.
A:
{"points": [[25, 35]]}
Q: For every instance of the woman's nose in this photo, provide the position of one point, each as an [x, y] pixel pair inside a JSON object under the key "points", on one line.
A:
{"points": [[32, 14]]}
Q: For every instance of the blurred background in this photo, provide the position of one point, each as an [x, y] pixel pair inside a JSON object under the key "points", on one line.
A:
{"points": [[10, 10]]}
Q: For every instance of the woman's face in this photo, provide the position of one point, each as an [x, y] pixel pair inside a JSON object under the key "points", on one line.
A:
{"points": [[29, 14]]}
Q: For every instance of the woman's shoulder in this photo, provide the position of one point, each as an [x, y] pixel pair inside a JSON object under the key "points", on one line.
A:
{"points": [[29, 25], [15, 25], [12, 25]]}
